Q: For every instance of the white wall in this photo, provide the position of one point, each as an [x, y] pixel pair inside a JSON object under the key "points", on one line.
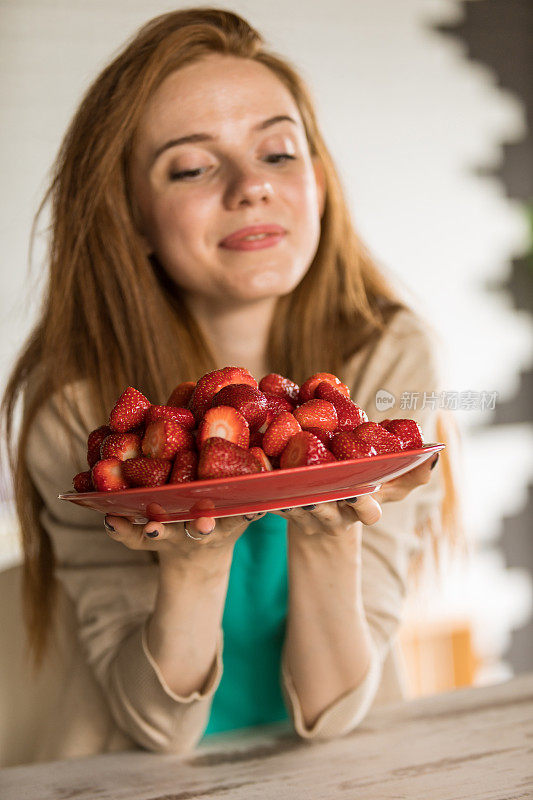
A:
{"points": [[407, 118]]}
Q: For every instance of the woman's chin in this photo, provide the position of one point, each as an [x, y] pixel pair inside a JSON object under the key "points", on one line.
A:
{"points": [[266, 283]]}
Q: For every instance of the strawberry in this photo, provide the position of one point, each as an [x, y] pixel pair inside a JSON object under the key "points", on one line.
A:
{"points": [[147, 471], [224, 422], [275, 405], [304, 450], [129, 411], [346, 446], [181, 415], [261, 456], [249, 402], [185, 467], [276, 384], [407, 431], [121, 446], [350, 415], [182, 394], [94, 442], [307, 389], [317, 414], [324, 435], [375, 434], [83, 482], [108, 476], [279, 432], [220, 458], [213, 382], [164, 438]]}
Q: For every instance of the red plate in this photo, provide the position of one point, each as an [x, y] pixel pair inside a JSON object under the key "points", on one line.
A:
{"points": [[266, 491]]}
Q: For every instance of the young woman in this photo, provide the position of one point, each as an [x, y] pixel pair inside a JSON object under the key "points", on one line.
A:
{"points": [[185, 147]]}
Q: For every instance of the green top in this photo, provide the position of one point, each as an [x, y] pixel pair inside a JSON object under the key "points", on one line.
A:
{"points": [[253, 623]]}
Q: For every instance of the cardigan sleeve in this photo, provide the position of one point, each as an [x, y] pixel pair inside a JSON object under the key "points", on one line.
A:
{"points": [[407, 359], [113, 590]]}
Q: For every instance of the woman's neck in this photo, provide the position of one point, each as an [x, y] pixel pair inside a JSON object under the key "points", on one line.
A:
{"points": [[237, 335]]}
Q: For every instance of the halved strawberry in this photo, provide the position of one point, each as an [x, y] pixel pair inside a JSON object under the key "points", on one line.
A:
{"points": [[220, 458], [263, 459], [350, 415], [107, 475], [147, 471], [164, 438], [279, 432], [317, 414], [185, 467], [121, 446], [181, 394], [249, 402], [373, 433], [276, 384], [345, 446], [175, 413], [224, 422], [307, 389], [94, 443], [304, 450], [83, 482], [407, 431], [213, 382], [129, 411]]}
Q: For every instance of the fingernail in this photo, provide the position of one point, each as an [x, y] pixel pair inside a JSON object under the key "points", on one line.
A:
{"points": [[284, 510], [434, 464], [152, 534], [350, 499], [308, 508], [107, 526], [207, 532], [250, 517]]}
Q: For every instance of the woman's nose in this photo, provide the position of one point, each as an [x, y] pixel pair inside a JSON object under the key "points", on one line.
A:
{"points": [[246, 189]]}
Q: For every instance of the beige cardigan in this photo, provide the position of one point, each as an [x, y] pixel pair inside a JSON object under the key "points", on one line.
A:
{"points": [[100, 690]]}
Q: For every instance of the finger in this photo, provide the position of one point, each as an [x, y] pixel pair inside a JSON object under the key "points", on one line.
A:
{"points": [[203, 525], [368, 510], [124, 531], [329, 514], [252, 516], [398, 488]]}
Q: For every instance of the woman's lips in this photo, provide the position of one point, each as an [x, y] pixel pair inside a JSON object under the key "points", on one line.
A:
{"points": [[254, 237]]}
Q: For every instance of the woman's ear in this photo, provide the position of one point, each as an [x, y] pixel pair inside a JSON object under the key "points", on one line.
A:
{"points": [[320, 178]]}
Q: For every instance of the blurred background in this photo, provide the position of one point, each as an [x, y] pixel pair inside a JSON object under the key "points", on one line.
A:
{"points": [[427, 108]]}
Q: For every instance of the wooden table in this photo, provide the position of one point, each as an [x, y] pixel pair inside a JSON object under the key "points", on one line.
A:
{"points": [[471, 743]]}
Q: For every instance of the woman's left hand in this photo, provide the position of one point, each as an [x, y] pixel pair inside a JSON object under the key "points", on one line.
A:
{"points": [[332, 518]]}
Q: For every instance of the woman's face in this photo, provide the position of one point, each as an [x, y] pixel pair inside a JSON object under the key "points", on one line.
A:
{"points": [[244, 161]]}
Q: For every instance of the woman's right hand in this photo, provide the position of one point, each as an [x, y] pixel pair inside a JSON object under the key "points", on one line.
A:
{"points": [[170, 540]]}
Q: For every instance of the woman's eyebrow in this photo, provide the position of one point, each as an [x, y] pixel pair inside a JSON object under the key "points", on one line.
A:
{"points": [[206, 137]]}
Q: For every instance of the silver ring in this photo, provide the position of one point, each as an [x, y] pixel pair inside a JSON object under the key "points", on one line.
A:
{"points": [[189, 535]]}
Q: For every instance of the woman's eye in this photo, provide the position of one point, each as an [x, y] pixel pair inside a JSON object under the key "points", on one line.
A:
{"points": [[186, 173], [276, 158]]}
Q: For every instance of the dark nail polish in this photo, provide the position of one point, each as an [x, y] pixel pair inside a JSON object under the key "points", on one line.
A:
{"points": [[350, 499], [250, 517], [284, 510], [434, 464], [108, 527], [308, 508], [152, 534]]}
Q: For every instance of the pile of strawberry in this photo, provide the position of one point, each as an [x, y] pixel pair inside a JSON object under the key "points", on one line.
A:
{"points": [[226, 425]]}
